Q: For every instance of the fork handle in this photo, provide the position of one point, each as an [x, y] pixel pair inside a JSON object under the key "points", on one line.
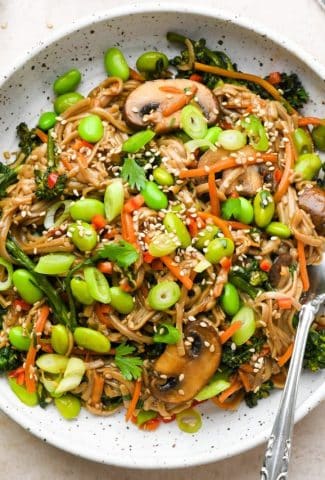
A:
{"points": [[276, 460]]}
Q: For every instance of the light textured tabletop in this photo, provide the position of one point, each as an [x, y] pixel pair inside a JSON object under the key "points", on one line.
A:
{"points": [[22, 24]]}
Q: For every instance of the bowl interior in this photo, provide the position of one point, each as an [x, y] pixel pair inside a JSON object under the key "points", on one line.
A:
{"points": [[27, 92]]}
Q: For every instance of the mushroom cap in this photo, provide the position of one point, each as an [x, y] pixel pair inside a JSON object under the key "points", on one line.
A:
{"points": [[144, 105], [312, 201], [196, 367]]}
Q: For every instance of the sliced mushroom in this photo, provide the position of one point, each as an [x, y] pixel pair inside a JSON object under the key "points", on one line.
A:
{"points": [[312, 200], [279, 271], [187, 375], [144, 106]]}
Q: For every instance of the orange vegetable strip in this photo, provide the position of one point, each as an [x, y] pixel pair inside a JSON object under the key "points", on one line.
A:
{"points": [[175, 106], [274, 78], [32, 351], [225, 164], [98, 221], [247, 368], [66, 163], [134, 203], [234, 387], [222, 224], [231, 404], [286, 356], [98, 388], [303, 265], [245, 380], [245, 76], [238, 225], [136, 75], [230, 331], [105, 267], [168, 89], [128, 232], [305, 121], [214, 199], [102, 312], [174, 269], [134, 400], [284, 182], [41, 135], [285, 303]]}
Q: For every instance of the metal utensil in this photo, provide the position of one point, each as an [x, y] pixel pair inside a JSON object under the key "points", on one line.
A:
{"points": [[276, 460]]}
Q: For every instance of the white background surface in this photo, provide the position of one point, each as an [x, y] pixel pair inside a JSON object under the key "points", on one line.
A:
{"points": [[23, 23]]}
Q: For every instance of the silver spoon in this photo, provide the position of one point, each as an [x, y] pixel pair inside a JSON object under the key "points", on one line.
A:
{"points": [[276, 460]]}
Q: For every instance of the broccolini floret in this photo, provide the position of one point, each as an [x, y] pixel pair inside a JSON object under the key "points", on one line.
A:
{"points": [[9, 359], [315, 350], [28, 139], [252, 398]]}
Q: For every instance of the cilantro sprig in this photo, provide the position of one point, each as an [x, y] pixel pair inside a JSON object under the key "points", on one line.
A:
{"points": [[133, 173], [130, 366], [122, 252]]}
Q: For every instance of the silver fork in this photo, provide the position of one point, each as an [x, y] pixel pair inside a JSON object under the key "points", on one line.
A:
{"points": [[277, 455]]}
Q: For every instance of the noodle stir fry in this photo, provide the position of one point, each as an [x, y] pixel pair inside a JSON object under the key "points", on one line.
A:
{"points": [[155, 237]]}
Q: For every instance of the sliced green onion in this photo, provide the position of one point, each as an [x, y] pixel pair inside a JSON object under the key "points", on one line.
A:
{"points": [[164, 295], [114, 199], [174, 224], [167, 333], [144, 416], [52, 362], [204, 144], [163, 244], [189, 421], [232, 139], [256, 133], [212, 136], [137, 141], [55, 264], [50, 220], [193, 122], [5, 284], [72, 376], [29, 399], [97, 285], [202, 265], [217, 384]]}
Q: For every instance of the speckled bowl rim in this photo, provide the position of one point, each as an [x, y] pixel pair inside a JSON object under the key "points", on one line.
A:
{"points": [[145, 7]]}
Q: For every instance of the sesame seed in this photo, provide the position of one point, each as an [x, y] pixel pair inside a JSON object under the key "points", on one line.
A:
{"points": [[181, 377], [181, 392], [212, 348]]}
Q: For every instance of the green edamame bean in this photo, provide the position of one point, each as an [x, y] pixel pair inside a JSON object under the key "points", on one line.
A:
{"points": [[232, 139], [122, 302], [164, 295], [151, 61], [91, 128], [163, 244], [245, 315], [318, 134], [80, 291], [47, 120], [18, 338], [61, 339], [219, 248], [55, 264], [67, 82], [91, 340], [302, 141], [205, 236], [115, 64], [83, 236], [68, 405], [264, 208], [137, 141], [278, 229], [154, 198], [86, 208], [230, 301], [163, 177], [26, 286], [174, 224], [246, 212], [63, 102], [97, 284], [308, 165], [29, 399]]}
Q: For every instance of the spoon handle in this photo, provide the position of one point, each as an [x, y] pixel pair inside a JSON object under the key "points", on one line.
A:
{"points": [[276, 460]]}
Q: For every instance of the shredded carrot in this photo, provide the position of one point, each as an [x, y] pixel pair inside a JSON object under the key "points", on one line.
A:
{"points": [[286, 356], [32, 351], [234, 387], [225, 262], [105, 267], [222, 224], [225, 164], [238, 225], [284, 182], [136, 75], [151, 425], [193, 227], [303, 265], [98, 387], [66, 163], [305, 121], [285, 303], [102, 312], [230, 331], [128, 232], [148, 258], [41, 135], [78, 144], [231, 404], [178, 104], [214, 199], [245, 76], [17, 372], [265, 265], [175, 270], [98, 221], [247, 368], [277, 175], [134, 400], [196, 78], [168, 89], [245, 380], [274, 78], [134, 203]]}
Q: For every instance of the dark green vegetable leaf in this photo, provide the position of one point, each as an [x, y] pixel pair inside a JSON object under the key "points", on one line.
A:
{"points": [[234, 358], [44, 191], [9, 359], [133, 174], [230, 208], [123, 253], [28, 140], [130, 366], [315, 350], [252, 398], [8, 176]]}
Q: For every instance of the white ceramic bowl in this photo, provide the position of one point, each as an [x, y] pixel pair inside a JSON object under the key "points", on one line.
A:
{"points": [[25, 92]]}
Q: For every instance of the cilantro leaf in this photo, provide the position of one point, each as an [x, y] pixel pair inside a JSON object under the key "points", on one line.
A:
{"points": [[133, 174], [230, 208], [129, 366], [122, 252]]}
